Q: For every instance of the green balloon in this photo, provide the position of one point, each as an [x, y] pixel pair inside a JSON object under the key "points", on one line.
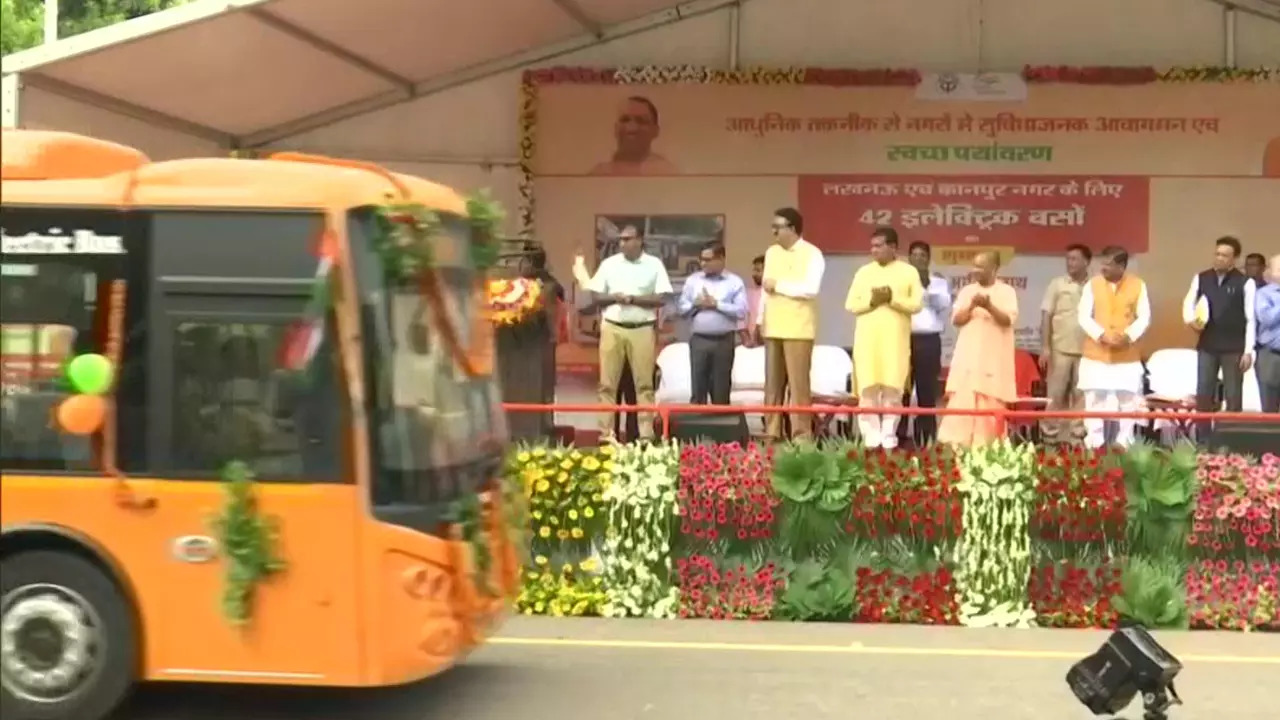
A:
{"points": [[90, 374]]}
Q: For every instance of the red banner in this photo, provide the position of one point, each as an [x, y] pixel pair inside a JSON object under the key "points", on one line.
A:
{"points": [[1037, 214]]}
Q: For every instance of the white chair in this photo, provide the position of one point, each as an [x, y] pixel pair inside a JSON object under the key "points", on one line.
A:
{"points": [[748, 368], [1252, 393], [830, 372], [675, 382], [748, 381], [1171, 373], [1171, 378]]}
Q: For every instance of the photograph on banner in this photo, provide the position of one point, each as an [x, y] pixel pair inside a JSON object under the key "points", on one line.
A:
{"points": [[1160, 169]]}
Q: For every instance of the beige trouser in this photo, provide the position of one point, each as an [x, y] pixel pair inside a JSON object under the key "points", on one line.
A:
{"points": [[1062, 392], [618, 346], [786, 364]]}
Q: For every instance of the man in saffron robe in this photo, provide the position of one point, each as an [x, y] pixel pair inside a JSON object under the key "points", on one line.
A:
{"points": [[1115, 312], [885, 293], [982, 367]]}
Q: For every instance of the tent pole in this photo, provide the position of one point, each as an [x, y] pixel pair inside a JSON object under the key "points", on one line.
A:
{"points": [[735, 35], [50, 21], [1229, 36]]}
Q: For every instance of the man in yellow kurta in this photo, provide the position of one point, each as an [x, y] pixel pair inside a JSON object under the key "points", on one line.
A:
{"points": [[788, 319], [885, 293]]}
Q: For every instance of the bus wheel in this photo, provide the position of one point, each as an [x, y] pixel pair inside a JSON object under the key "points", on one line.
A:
{"points": [[68, 641]]}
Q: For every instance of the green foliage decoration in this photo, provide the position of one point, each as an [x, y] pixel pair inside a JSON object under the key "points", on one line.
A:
{"points": [[248, 541], [485, 215], [403, 239], [467, 515], [1153, 593], [816, 487], [1162, 487]]}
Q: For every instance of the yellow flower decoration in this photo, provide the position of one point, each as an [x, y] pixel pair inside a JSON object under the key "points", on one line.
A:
{"points": [[524, 457], [541, 560], [576, 533], [562, 534], [590, 464], [573, 514], [588, 512], [588, 565], [544, 532]]}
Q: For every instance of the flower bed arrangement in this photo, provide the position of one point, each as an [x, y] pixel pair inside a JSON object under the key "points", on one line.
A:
{"points": [[1006, 535]]}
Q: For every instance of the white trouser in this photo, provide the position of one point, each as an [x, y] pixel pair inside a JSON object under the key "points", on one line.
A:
{"points": [[880, 430], [1109, 401]]}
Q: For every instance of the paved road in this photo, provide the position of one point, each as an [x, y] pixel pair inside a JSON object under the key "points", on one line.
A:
{"points": [[544, 669]]}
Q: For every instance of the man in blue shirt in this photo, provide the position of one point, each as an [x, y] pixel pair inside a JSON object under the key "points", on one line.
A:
{"points": [[1267, 316], [715, 301]]}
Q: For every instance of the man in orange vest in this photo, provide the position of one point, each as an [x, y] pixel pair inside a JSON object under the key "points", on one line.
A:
{"points": [[1115, 312]]}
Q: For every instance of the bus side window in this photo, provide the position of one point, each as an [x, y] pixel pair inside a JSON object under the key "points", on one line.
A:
{"points": [[232, 400], [51, 309]]}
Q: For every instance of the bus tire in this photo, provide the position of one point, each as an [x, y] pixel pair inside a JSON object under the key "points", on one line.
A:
{"points": [[69, 637]]}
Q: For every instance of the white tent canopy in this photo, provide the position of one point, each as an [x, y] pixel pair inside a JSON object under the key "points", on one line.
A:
{"points": [[244, 73]]}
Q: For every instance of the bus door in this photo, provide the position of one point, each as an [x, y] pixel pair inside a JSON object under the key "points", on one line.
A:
{"points": [[230, 288]]}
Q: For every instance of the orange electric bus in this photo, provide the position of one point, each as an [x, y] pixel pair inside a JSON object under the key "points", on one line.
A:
{"points": [[191, 276]]}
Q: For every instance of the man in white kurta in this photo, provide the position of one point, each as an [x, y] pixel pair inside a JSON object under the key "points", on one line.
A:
{"points": [[1115, 312]]}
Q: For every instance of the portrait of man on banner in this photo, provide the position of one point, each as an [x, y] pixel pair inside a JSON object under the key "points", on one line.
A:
{"points": [[635, 128]]}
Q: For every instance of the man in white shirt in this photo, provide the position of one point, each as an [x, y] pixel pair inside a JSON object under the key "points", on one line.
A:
{"points": [[926, 347], [633, 286], [1219, 306]]}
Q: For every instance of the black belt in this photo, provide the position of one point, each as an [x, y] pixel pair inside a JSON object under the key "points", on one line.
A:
{"points": [[715, 336], [632, 326]]}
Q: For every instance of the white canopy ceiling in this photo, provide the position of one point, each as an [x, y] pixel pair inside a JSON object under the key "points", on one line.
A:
{"points": [[249, 72]]}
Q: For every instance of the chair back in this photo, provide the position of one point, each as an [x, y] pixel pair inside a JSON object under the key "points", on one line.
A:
{"points": [[830, 370], [675, 382], [748, 368], [1172, 372]]}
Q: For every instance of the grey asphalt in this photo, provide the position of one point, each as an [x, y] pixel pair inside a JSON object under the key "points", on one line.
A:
{"points": [[653, 670]]}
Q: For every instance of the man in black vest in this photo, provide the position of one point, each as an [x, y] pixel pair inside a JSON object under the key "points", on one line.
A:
{"points": [[1220, 306]]}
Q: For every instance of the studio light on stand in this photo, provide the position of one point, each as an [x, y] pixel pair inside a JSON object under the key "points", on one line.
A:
{"points": [[1131, 662]]}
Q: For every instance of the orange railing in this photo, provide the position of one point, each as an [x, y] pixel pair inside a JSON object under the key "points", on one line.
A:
{"points": [[664, 412]]}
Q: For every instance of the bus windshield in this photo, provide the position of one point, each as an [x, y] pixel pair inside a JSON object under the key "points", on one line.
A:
{"points": [[437, 428]]}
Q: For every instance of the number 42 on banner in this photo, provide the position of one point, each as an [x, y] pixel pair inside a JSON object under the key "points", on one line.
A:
{"points": [[876, 217]]}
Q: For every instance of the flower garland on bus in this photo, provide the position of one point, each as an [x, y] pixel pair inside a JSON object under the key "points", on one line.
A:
{"points": [[828, 77]]}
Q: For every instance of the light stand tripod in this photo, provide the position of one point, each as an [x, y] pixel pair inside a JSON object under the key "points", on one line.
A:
{"points": [[1156, 703]]}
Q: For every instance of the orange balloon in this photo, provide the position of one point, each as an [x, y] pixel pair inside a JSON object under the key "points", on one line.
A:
{"points": [[82, 414]]}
